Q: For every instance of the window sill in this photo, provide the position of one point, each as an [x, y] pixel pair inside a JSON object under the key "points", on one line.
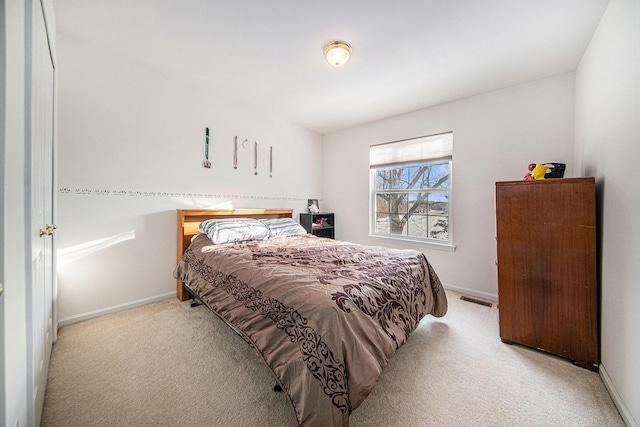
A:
{"points": [[419, 243]]}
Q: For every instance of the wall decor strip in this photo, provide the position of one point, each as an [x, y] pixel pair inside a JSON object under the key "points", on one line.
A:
{"points": [[161, 194]]}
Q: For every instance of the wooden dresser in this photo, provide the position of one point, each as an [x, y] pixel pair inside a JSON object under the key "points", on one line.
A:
{"points": [[547, 277]]}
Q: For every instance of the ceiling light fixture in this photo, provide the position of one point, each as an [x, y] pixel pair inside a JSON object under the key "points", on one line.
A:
{"points": [[337, 53]]}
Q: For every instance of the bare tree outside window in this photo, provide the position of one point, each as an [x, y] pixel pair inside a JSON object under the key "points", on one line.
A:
{"points": [[411, 188], [413, 200]]}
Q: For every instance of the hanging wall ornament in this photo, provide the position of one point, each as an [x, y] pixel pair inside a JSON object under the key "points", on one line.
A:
{"points": [[206, 163], [235, 153], [271, 161], [255, 158]]}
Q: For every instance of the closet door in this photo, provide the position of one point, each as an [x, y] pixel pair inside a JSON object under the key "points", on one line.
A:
{"points": [[40, 296]]}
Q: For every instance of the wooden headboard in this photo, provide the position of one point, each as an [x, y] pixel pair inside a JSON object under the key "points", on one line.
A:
{"points": [[189, 219]]}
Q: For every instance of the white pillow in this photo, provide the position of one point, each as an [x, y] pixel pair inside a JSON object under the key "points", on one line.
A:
{"points": [[233, 230], [283, 227]]}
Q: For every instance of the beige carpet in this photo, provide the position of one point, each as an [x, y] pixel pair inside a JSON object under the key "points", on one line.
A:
{"points": [[166, 364]]}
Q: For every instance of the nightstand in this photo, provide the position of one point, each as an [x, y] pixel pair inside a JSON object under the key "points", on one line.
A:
{"points": [[319, 224]]}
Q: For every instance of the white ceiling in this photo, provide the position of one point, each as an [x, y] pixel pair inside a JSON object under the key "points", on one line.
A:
{"points": [[407, 54]]}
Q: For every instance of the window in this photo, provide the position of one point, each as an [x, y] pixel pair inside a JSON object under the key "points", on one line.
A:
{"points": [[411, 189]]}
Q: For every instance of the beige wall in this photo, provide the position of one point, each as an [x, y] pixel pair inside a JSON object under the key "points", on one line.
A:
{"points": [[131, 148], [608, 147], [496, 135]]}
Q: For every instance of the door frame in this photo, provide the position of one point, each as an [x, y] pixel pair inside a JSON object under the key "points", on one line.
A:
{"points": [[3, 100]]}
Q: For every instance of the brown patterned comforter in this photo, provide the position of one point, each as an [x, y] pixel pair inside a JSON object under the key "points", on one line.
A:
{"points": [[325, 316]]}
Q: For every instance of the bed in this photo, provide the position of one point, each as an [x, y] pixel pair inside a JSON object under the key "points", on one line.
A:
{"points": [[324, 316]]}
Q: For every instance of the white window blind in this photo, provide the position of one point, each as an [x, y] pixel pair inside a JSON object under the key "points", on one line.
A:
{"points": [[425, 148]]}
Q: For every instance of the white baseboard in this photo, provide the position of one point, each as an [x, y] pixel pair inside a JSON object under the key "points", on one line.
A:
{"points": [[622, 408], [97, 313], [472, 293]]}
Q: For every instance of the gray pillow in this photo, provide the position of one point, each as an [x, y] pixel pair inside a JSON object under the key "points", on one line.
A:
{"points": [[283, 227], [233, 230]]}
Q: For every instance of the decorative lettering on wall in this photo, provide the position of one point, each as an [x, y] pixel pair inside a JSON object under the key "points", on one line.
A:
{"points": [[168, 194]]}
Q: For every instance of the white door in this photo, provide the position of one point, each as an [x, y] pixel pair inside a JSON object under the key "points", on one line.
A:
{"points": [[40, 296]]}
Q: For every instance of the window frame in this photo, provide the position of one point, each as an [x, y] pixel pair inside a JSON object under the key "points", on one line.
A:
{"points": [[418, 240]]}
